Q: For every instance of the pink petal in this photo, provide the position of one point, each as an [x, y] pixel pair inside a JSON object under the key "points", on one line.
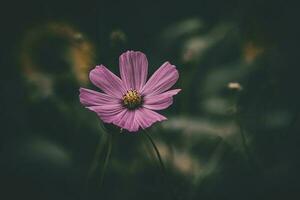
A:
{"points": [[133, 69], [108, 113], [146, 117], [107, 81], [127, 120], [163, 79], [106, 107], [92, 98], [160, 101]]}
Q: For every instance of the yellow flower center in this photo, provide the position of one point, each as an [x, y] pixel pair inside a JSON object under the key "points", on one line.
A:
{"points": [[132, 99]]}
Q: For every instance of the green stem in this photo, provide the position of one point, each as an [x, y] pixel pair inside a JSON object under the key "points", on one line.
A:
{"points": [[156, 151], [241, 129], [243, 138], [99, 149], [106, 161], [162, 167], [95, 162]]}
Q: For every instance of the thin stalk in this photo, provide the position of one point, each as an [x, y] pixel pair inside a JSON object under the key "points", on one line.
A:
{"points": [[106, 161], [162, 166], [95, 162], [243, 138], [239, 124], [249, 157]]}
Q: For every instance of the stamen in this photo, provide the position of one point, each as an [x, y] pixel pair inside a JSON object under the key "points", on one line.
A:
{"points": [[132, 99]]}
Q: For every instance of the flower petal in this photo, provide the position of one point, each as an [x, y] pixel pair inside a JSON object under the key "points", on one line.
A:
{"points": [[106, 106], [160, 101], [127, 120], [107, 81], [146, 117], [163, 79], [108, 113], [133, 69], [92, 98]]}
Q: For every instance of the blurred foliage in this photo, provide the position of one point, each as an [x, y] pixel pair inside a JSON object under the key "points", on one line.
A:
{"points": [[232, 132]]}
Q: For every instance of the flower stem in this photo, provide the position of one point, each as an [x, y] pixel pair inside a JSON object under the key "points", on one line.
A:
{"points": [[95, 162], [94, 165], [162, 166], [107, 157], [237, 116], [99, 149], [243, 138]]}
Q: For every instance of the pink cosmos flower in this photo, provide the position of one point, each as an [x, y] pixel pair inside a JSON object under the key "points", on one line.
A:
{"points": [[130, 102]]}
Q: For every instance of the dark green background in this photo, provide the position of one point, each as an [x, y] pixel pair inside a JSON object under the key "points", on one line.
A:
{"points": [[48, 142]]}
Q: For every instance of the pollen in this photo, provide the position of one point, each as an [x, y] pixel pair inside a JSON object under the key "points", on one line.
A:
{"points": [[132, 99]]}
